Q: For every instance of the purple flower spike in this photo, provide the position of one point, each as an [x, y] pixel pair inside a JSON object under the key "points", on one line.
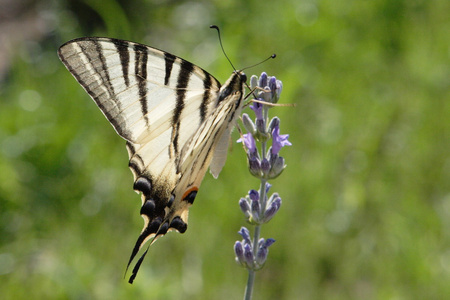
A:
{"points": [[279, 141], [265, 163]]}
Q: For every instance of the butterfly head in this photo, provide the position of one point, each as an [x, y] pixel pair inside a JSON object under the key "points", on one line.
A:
{"points": [[242, 76], [233, 87]]}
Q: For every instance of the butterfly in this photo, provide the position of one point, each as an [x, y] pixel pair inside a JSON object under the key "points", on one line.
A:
{"points": [[175, 117]]}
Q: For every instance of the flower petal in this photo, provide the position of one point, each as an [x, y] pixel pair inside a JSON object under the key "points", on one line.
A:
{"points": [[279, 141]]}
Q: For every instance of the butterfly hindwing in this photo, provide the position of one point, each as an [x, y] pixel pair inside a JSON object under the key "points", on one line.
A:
{"points": [[174, 116]]}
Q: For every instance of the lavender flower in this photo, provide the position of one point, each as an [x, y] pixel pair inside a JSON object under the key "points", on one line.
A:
{"points": [[260, 124], [258, 109], [251, 206], [261, 254], [279, 141], [264, 164], [249, 143], [245, 254]]}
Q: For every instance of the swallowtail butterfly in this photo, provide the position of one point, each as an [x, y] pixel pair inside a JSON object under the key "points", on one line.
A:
{"points": [[176, 119]]}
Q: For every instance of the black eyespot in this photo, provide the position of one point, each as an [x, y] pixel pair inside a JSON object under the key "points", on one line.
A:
{"points": [[143, 185], [148, 208], [178, 224], [190, 197], [154, 225]]}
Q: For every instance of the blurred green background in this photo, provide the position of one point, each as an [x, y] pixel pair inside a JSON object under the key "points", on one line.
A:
{"points": [[366, 192]]}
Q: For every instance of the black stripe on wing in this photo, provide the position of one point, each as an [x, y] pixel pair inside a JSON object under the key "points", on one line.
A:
{"points": [[169, 60], [124, 54], [186, 69], [206, 96], [140, 69], [91, 49], [104, 71]]}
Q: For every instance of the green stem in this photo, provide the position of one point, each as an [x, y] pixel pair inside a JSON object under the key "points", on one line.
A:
{"points": [[249, 287]]}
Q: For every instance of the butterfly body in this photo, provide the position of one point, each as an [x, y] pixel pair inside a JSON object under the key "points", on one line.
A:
{"points": [[175, 117]]}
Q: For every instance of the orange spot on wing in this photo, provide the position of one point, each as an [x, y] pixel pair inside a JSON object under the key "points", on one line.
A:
{"points": [[188, 191]]}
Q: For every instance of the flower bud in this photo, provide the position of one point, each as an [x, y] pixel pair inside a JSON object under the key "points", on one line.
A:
{"points": [[253, 195], [272, 208], [253, 82], [254, 166], [245, 207], [265, 165], [262, 252], [256, 209], [277, 167], [245, 235], [248, 124], [261, 130], [239, 252], [248, 255], [275, 122], [263, 80]]}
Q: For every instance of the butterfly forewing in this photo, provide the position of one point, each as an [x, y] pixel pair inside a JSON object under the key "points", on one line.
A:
{"points": [[172, 114]]}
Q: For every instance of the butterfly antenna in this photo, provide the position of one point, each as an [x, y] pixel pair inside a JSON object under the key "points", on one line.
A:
{"points": [[257, 64], [221, 46]]}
